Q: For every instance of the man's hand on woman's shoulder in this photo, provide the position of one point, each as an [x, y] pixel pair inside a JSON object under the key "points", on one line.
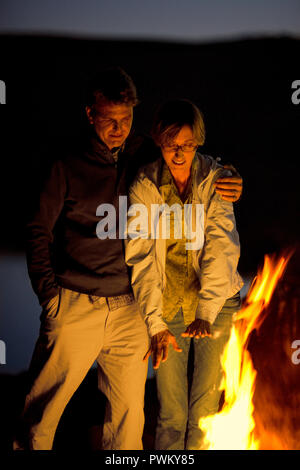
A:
{"points": [[230, 187]]}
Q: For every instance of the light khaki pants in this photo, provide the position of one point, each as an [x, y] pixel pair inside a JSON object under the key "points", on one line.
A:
{"points": [[77, 329]]}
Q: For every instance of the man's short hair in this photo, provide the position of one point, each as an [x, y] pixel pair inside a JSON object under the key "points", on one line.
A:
{"points": [[172, 116], [112, 85]]}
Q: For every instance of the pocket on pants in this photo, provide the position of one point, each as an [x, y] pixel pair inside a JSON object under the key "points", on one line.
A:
{"points": [[51, 310]]}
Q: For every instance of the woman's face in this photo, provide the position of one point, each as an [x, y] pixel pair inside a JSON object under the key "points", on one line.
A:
{"points": [[179, 153]]}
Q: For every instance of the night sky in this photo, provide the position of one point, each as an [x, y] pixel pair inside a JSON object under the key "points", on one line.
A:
{"points": [[167, 19]]}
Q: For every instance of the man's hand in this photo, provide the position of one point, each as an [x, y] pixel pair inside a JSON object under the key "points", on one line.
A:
{"points": [[198, 329], [159, 347], [230, 187]]}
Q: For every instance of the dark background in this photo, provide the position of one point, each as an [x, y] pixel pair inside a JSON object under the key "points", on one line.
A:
{"points": [[243, 88]]}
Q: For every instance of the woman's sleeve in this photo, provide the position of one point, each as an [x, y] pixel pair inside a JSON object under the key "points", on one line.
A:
{"points": [[140, 256], [220, 256]]}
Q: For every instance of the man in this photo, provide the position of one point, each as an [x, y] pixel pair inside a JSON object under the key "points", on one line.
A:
{"points": [[82, 282]]}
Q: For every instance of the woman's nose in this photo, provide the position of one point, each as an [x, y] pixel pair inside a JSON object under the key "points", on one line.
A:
{"points": [[178, 152]]}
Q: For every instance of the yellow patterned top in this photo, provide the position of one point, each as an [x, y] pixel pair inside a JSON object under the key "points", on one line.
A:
{"points": [[182, 283]]}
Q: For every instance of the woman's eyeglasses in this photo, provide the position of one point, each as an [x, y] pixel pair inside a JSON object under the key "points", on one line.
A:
{"points": [[183, 148]]}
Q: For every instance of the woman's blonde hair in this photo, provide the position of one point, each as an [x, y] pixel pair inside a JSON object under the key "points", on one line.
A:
{"points": [[172, 116]]}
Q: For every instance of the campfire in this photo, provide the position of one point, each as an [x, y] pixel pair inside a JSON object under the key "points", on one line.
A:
{"points": [[237, 426]]}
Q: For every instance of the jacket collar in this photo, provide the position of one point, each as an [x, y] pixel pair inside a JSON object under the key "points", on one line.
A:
{"points": [[202, 166], [96, 149]]}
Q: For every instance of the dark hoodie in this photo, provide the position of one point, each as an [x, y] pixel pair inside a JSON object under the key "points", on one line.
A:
{"points": [[62, 245]]}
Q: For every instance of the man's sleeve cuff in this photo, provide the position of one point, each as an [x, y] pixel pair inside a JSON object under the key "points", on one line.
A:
{"points": [[46, 296]]}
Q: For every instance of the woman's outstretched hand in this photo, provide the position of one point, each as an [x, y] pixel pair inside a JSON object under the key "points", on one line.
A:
{"points": [[197, 329]]}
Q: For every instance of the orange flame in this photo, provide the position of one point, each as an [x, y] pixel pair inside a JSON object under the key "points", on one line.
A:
{"points": [[233, 427]]}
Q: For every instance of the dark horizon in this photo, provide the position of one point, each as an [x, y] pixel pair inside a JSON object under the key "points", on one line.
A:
{"points": [[240, 87]]}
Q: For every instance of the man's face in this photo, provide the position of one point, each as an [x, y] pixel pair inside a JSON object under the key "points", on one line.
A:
{"points": [[112, 122]]}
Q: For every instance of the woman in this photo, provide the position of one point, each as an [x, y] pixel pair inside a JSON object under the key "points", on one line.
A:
{"points": [[187, 296]]}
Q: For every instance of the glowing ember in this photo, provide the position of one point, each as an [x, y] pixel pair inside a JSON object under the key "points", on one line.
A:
{"points": [[233, 427]]}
